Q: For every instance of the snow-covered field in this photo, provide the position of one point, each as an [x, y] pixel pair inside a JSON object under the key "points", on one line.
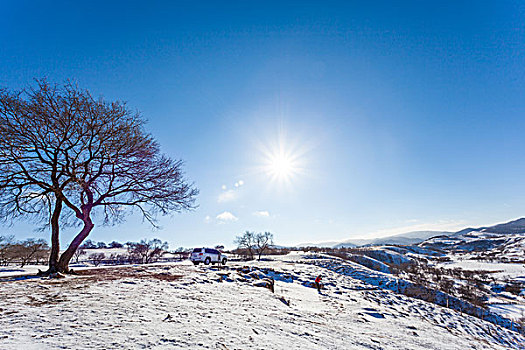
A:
{"points": [[501, 270], [177, 305]]}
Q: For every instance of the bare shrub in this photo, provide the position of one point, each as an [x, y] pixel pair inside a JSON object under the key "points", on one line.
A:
{"points": [[97, 258], [514, 287]]}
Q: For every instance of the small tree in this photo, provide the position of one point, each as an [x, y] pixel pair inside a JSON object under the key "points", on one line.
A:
{"points": [[6, 247], [147, 251], [246, 242], [446, 285], [78, 253], [262, 242], [101, 245]]}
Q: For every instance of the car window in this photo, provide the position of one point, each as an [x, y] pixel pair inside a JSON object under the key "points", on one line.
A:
{"points": [[197, 250]]}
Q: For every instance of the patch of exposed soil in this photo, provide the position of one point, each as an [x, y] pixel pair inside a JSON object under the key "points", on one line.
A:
{"points": [[110, 274]]}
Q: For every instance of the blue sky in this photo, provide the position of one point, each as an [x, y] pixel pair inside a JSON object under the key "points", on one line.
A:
{"points": [[393, 116]]}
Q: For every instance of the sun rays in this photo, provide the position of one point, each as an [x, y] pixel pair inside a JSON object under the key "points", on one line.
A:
{"points": [[282, 161]]}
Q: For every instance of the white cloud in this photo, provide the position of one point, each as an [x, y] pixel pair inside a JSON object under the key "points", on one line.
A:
{"points": [[226, 196], [226, 216], [207, 219], [262, 213], [224, 187]]}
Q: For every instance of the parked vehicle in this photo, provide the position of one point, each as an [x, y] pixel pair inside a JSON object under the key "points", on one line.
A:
{"points": [[208, 256]]}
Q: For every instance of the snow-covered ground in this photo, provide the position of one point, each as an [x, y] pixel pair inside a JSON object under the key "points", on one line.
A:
{"points": [[178, 305], [15, 270], [501, 270]]}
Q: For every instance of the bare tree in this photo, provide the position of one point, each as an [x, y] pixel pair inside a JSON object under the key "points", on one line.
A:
{"points": [[31, 249], [60, 146], [147, 251], [30, 139], [246, 242], [24, 252], [6, 245], [78, 253], [262, 242]]}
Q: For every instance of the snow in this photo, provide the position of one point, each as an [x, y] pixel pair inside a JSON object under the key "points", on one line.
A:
{"points": [[16, 270], [511, 311], [180, 306], [501, 270]]}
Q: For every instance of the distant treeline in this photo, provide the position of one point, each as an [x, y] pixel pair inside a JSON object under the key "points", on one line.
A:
{"points": [[29, 251], [36, 251]]}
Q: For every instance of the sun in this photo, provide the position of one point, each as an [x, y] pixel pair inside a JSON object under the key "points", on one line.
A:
{"points": [[281, 159], [281, 166]]}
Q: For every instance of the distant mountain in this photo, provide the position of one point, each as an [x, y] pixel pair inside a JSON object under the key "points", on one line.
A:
{"points": [[399, 239], [463, 239], [319, 245], [511, 227], [506, 237]]}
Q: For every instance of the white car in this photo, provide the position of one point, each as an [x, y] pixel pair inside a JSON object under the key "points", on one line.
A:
{"points": [[207, 256]]}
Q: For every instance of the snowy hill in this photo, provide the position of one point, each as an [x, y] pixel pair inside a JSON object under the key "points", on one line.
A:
{"points": [[484, 264], [499, 241], [180, 306], [512, 227], [415, 237]]}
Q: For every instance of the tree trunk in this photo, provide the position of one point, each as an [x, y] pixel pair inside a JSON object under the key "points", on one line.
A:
{"points": [[65, 258], [55, 243]]}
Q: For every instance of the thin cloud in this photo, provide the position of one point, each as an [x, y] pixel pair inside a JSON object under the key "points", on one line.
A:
{"points": [[226, 216], [226, 196], [229, 195], [262, 214]]}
